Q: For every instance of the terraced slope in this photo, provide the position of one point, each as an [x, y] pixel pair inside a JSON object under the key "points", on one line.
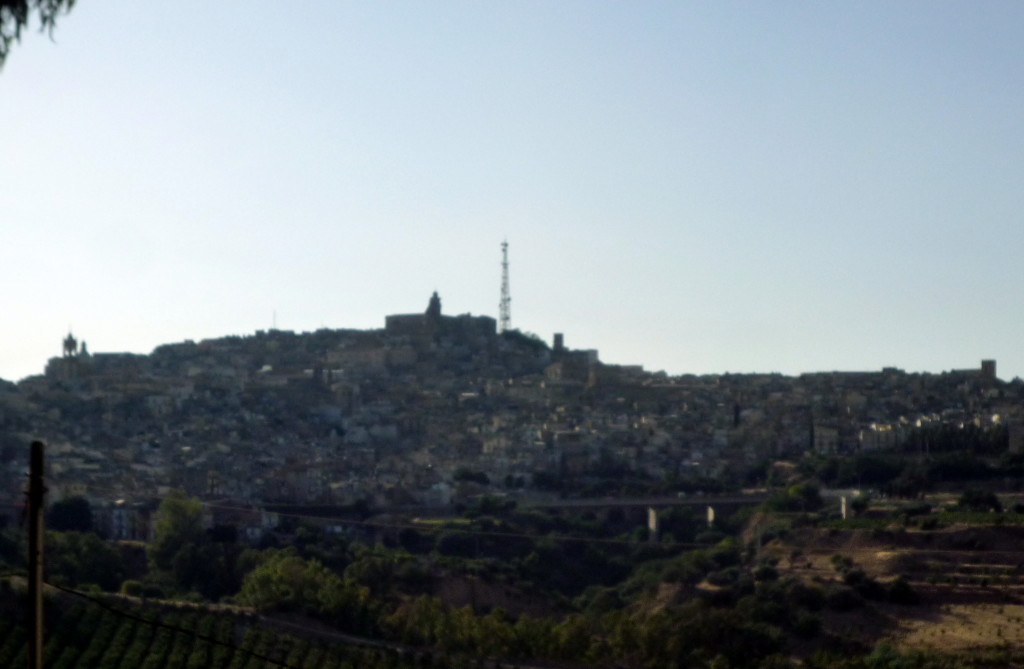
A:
{"points": [[85, 636]]}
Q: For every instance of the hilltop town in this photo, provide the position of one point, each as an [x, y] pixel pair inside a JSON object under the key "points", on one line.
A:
{"points": [[434, 410]]}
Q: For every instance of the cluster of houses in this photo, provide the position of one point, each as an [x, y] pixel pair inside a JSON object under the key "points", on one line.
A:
{"points": [[429, 411]]}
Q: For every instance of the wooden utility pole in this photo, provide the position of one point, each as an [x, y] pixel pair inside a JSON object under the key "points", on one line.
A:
{"points": [[35, 555]]}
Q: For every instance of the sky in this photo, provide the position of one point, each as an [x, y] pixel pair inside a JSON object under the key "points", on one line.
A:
{"points": [[695, 187]]}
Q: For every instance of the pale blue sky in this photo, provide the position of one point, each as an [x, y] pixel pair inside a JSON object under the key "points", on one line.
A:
{"points": [[695, 187]]}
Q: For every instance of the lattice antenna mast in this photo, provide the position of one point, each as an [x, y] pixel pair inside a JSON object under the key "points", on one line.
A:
{"points": [[505, 306]]}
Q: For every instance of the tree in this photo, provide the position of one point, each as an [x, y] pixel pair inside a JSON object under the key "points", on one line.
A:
{"points": [[81, 558], [800, 497], [179, 524], [859, 505], [457, 544], [284, 581], [15, 14], [74, 513], [202, 568], [979, 500]]}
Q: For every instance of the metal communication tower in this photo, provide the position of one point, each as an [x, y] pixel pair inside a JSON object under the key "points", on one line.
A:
{"points": [[505, 306]]}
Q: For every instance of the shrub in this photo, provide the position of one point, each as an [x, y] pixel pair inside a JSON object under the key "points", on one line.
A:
{"points": [[841, 563], [865, 586], [843, 598], [153, 591], [859, 505], [709, 537], [132, 588], [901, 592], [806, 624], [803, 595], [979, 500], [724, 577], [918, 509]]}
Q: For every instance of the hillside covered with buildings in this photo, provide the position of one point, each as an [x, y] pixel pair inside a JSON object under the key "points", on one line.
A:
{"points": [[434, 410]]}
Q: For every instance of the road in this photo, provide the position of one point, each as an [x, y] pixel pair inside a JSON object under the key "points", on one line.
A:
{"points": [[690, 500]]}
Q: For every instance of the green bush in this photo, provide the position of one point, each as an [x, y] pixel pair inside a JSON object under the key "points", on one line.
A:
{"points": [[132, 588]]}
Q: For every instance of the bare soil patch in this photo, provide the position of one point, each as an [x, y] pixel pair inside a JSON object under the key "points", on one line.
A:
{"points": [[960, 627]]}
